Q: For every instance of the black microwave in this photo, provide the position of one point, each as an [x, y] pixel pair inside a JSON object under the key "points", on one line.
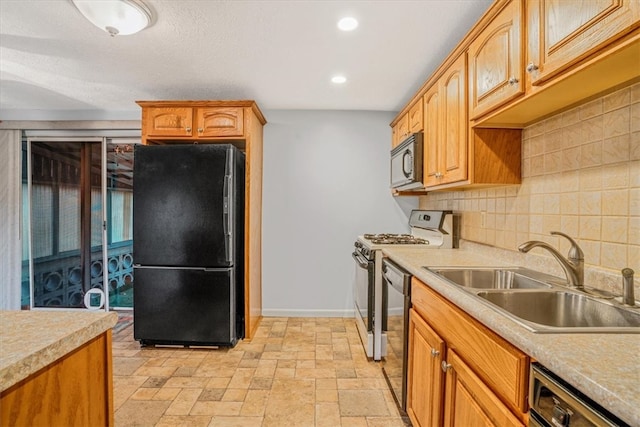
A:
{"points": [[406, 163]]}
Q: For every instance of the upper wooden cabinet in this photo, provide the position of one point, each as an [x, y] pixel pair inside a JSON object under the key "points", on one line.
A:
{"points": [[400, 130], [168, 121], [179, 122], [445, 139], [563, 32], [409, 123], [416, 120], [197, 120], [495, 62], [220, 122]]}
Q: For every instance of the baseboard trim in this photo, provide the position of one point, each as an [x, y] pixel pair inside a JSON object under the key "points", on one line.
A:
{"points": [[283, 312]]}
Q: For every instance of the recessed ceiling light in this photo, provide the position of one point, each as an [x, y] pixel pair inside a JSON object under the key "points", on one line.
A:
{"points": [[338, 79], [348, 24]]}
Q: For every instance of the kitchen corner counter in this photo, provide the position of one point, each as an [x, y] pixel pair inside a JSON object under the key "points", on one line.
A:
{"points": [[605, 367], [31, 340]]}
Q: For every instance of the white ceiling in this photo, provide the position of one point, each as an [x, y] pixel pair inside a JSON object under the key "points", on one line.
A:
{"points": [[282, 53]]}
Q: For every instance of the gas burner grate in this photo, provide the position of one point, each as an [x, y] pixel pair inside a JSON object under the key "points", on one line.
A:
{"points": [[395, 239]]}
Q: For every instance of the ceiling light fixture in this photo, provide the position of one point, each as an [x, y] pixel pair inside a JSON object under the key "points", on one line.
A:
{"points": [[348, 24], [116, 17], [338, 79]]}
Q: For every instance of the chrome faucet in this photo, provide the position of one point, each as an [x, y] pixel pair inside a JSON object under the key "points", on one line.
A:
{"points": [[573, 265]]}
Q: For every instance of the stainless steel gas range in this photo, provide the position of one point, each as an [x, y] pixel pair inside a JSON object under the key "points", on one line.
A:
{"points": [[432, 229]]}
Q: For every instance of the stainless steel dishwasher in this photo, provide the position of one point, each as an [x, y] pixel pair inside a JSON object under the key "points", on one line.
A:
{"points": [[554, 403], [396, 300]]}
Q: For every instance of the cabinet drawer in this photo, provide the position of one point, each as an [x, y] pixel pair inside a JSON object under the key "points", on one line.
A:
{"points": [[499, 364]]}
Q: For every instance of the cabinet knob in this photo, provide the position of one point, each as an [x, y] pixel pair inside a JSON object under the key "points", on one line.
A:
{"points": [[513, 81], [188, 129], [434, 352], [531, 67], [445, 366], [200, 130]]}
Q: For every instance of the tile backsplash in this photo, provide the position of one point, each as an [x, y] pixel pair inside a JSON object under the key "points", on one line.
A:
{"points": [[580, 175]]}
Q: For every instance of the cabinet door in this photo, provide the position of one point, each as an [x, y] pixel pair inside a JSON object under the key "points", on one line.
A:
{"points": [[432, 136], [469, 402], [220, 121], [445, 134], [395, 135], [168, 121], [424, 377], [403, 128], [415, 117], [495, 62], [562, 32], [453, 157]]}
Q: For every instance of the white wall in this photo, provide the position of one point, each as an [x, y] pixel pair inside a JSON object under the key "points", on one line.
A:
{"points": [[326, 181]]}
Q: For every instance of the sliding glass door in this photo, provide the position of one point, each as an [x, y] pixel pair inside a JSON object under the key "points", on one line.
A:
{"points": [[120, 224], [66, 224], [78, 222]]}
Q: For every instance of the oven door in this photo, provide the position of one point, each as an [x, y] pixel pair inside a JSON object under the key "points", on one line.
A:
{"points": [[363, 297]]}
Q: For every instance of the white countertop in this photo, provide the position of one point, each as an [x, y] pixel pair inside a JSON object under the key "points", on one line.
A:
{"points": [[605, 367]]}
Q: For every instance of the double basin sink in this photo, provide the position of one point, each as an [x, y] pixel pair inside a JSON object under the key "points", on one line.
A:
{"points": [[536, 301]]}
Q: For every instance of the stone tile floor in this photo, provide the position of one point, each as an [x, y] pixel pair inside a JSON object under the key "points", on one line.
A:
{"points": [[295, 372]]}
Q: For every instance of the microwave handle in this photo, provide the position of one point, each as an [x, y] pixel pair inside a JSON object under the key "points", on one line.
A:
{"points": [[404, 163]]}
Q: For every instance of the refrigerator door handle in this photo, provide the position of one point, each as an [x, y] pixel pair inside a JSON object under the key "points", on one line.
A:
{"points": [[226, 222]]}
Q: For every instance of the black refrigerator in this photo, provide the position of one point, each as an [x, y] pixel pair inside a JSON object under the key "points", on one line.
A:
{"points": [[188, 245]]}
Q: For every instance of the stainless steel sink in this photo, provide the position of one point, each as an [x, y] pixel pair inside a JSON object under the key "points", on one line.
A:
{"points": [[537, 301], [494, 278], [563, 311]]}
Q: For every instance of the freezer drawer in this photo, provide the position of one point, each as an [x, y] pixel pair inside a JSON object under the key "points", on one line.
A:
{"points": [[185, 306]]}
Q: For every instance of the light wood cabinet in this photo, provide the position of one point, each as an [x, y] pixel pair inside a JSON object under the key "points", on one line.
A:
{"points": [[469, 402], [526, 60], [416, 119], [560, 33], [495, 62], [220, 122], [425, 392], [76, 390], [575, 50], [210, 122], [445, 141], [486, 377], [178, 122], [409, 123], [167, 122], [400, 131]]}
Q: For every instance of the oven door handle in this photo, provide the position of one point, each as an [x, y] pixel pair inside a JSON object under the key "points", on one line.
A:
{"points": [[362, 262]]}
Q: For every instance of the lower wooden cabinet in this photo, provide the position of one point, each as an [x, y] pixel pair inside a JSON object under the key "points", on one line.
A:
{"points": [[76, 390], [425, 391], [469, 402], [459, 372]]}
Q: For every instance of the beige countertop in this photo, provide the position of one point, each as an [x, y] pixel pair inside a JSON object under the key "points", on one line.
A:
{"points": [[33, 339], [605, 367]]}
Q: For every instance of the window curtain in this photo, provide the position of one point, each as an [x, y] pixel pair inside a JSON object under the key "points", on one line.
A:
{"points": [[10, 236]]}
